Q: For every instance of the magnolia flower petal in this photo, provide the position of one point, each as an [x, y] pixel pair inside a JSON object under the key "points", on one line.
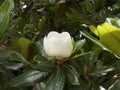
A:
{"points": [[53, 34], [66, 45], [51, 46], [58, 45], [65, 35], [66, 49], [67, 40]]}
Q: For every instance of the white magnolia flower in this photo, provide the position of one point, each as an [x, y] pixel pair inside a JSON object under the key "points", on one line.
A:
{"points": [[58, 45]]}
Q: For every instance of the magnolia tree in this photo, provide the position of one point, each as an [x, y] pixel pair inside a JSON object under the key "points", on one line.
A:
{"points": [[59, 45]]}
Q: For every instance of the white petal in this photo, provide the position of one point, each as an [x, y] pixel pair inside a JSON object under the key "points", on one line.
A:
{"points": [[53, 34], [59, 45], [67, 48], [68, 43], [102, 88], [49, 45], [65, 35]]}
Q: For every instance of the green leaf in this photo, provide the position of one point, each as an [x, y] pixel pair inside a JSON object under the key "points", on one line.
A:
{"points": [[47, 1], [12, 56], [102, 71], [94, 56], [78, 45], [75, 17], [86, 34], [56, 81], [34, 18], [11, 65], [40, 49], [72, 75], [115, 21], [46, 66], [60, 8], [42, 22], [39, 46], [5, 76], [5, 10], [97, 4], [28, 78], [116, 5], [115, 85], [79, 55], [84, 84], [96, 51], [103, 14]]}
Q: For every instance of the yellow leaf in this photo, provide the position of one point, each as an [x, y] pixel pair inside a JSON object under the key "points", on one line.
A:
{"points": [[109, 36], [115, 31], [93, 29], [22, 46]]}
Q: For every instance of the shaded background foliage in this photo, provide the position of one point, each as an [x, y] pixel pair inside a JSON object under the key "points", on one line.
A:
{"points": [[32, 20], [42, 16]]}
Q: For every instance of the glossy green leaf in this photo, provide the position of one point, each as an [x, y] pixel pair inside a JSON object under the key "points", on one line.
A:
{"points": [[72, 75], [4, 78], [40, 49], [78, 45], [12, 56], [39, 46], [115, 85], [56, 81], [11, 65], [94, 56], [28, 78], [5, 10], [86, 34], [96, 51], [79, 55], [46, 66], [39, 58], [102, 71]]}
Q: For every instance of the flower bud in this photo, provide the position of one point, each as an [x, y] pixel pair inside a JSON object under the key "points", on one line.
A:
{"points": [[58, 45]]}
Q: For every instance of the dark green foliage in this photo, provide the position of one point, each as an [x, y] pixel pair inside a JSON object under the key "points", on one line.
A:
{"points": [[91, 64]]}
